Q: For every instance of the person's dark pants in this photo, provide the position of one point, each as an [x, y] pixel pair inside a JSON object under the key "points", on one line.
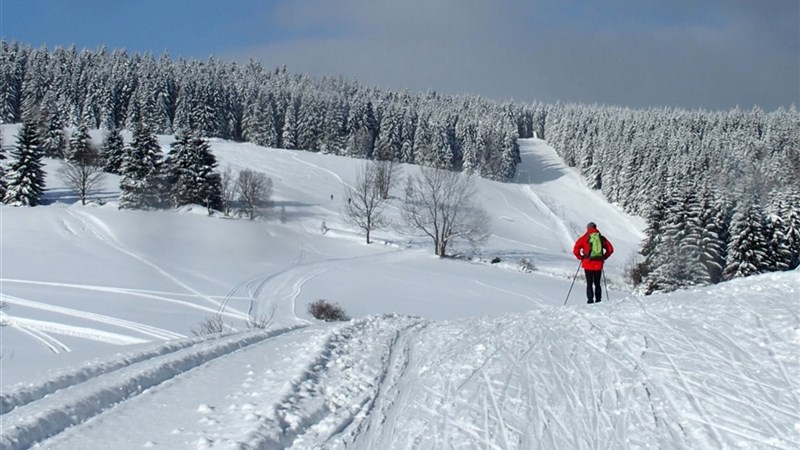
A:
{"points": [[593, 292]]}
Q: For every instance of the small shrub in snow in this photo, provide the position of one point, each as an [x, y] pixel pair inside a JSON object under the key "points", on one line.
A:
{"points": [[211, 325], [526, 265], [495, 260], [261, 321], [634, 271], [327, 311]]}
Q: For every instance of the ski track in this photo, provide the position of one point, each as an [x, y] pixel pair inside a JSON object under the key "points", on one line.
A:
{"points": [[106, 235], [151, 331], [143, 293], [40, 330], [85, 397], [584, 380], [48, 341]]}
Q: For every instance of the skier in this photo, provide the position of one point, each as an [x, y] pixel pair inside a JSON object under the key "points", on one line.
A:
{"points": [[592, 249]]}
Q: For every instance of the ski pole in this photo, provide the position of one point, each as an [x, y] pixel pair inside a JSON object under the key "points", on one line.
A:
{"points": [[573, 282], [608, 297]]}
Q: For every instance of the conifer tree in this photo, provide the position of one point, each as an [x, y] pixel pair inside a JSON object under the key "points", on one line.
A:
{"points": [[78, 148], [747, 254], [141, 182], [190, 172], [113, 151], [26, 178]]}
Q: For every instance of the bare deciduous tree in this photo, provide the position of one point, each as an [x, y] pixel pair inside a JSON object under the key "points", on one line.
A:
{"points": [[228, 187], [84, 173], [364, 207], [386, 177], [439, 203], [255, 190]]}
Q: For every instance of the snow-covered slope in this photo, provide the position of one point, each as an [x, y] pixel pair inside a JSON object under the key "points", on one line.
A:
{"points": [[99, 350]]}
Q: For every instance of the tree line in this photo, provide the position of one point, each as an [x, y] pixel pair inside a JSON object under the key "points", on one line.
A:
{"points": [[719, 189]]}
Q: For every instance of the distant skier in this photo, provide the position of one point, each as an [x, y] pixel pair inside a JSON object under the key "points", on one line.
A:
{"points": [[593, 249]]}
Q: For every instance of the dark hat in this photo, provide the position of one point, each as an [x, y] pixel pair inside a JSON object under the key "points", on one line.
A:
{"points": [[590, 225]]}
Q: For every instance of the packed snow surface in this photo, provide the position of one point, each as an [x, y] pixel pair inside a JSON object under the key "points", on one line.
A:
{"points": [[98, 350]]}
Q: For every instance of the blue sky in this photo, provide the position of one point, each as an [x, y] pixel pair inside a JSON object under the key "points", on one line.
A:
{"points": [[711, 54]]}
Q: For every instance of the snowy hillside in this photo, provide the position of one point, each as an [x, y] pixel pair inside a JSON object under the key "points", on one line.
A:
{"points": [[99, 350]]}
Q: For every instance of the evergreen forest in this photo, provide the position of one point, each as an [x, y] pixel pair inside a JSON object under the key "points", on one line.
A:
{"points": [[720, 189]]}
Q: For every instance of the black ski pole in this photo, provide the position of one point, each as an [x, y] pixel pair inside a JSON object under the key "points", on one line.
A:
{"points": [[573, 282], [608, 297]]}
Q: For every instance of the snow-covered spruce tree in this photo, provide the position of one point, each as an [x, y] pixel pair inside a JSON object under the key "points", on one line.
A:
{"points": [[783, 220], [142, 184], [790, 214], [259, 123], [289, 132], [714, 223], [12, 69], [777, 243], [25, 176], [79, 146], [113, 151], [52, 139], [651, 247], [190, 172], [747, 249]]}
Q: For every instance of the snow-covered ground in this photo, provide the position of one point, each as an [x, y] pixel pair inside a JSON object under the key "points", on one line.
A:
{"points": [[99, 350]]}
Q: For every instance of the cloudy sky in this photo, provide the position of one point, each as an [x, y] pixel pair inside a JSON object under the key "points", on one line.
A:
{"points": [[711, 54]]}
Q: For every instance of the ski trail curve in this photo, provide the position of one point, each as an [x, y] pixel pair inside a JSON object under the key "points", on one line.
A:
{"points": [[107, 236]]}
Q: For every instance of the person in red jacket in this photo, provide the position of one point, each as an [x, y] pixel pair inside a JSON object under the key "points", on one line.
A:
{"points": [[592, 249]]}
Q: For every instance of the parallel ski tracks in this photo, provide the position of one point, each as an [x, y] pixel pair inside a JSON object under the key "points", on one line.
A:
{"points": [[33, 412]]}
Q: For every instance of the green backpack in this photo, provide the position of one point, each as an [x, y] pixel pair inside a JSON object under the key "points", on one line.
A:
{"points": [[595, 246]]}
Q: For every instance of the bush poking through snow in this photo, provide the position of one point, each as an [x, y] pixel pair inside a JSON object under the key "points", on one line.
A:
{"points": [[211, 325], [526, 265], [262, 321], [327, 311]]}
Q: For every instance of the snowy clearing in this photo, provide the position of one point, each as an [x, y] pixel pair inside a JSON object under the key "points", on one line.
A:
{"points": [[441, 353]]}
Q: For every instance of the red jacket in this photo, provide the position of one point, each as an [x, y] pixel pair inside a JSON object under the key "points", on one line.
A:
{"points": [[581, 251]]}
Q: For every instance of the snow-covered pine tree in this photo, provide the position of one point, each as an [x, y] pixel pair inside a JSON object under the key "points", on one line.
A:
{"points": [[259, 122], [190, 172], [747, 249], [777, 243], [113, 151], [52, 139], [791, 222], [12, 70], [25, 176], [78, 148], [141, 184], [714, 222], [289, 134], [783, 221]]}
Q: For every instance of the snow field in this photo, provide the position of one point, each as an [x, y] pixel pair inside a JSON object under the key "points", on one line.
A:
{"points": [[472, 355]]}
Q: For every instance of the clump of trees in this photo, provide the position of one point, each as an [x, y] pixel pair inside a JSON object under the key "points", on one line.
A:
{"points": [[439, 204]]}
